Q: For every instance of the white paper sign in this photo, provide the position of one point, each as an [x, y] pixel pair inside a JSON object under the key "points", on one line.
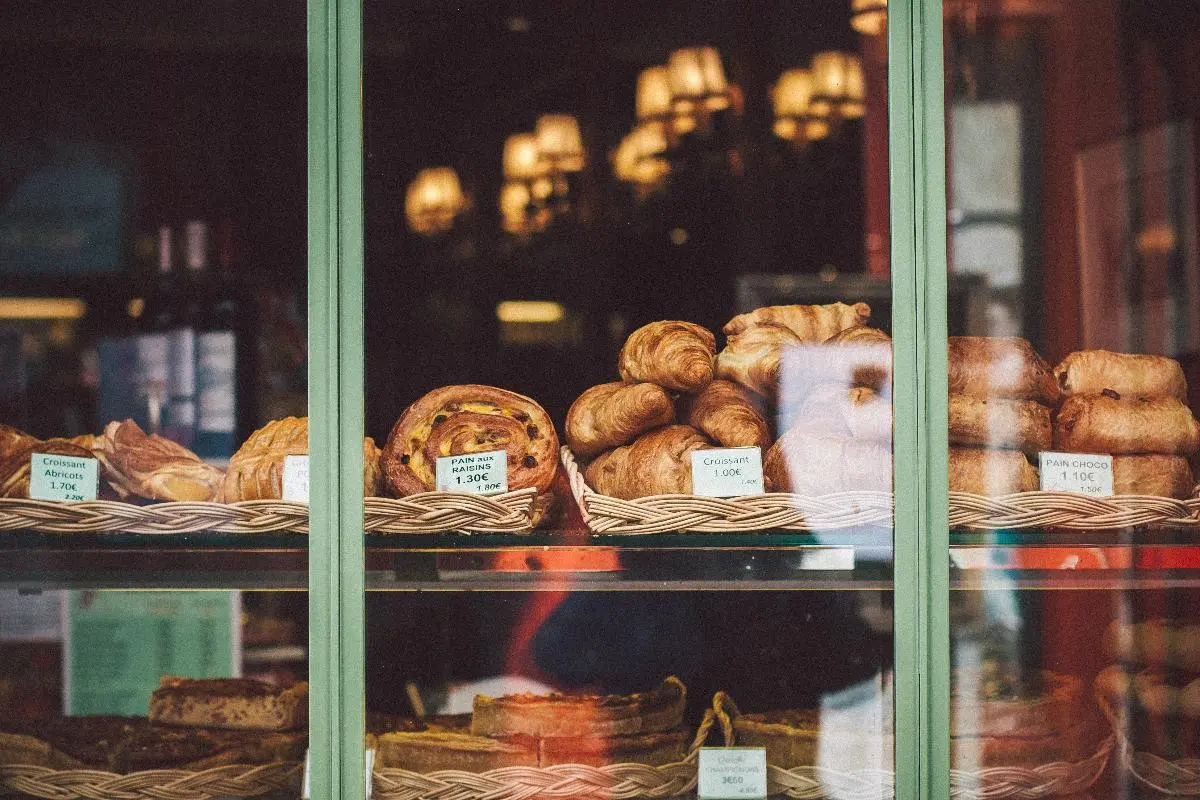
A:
{"points": [[295, 479], [1081, 473], [727, 472], [732, 773], [53, 477], [474, 473]]}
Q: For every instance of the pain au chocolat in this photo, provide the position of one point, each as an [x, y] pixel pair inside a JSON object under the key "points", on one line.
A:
{"points": [[1000, 366], [581, 715], [256, 469], [1000, 423], [1112, 423], [809, 323], [1093, 371], [675, 355], [149, 466], [613, 414], [470, 418]]}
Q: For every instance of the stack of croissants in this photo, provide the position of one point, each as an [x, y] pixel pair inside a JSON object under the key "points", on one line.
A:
{"points": [[808, 384]]}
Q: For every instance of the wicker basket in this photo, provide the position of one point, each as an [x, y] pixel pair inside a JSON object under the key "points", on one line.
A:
{"points": [[1070, 511], [429, 512], [1056, 779], [234, 780], [559, 782], [668, 513], [1168, 777]]}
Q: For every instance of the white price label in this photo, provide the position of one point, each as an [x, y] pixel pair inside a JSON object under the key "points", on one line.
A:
{"points": [[1081, 473], [53, 477], [727, 472], [732, 773], [295, 479], [474, 473]]}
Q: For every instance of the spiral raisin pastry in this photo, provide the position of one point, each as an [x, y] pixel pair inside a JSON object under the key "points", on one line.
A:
{"points": [[613, 414], [675, 355], [454, 420]]}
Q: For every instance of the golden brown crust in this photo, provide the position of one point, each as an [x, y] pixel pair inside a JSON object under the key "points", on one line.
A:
{"points": [[1153, 475], [1111, 423], [754, 358], [229, 704], [19, 748], [434, 750], [155, 468], [657, 462], [675, 355], [809, 323], [983, 471], [792, 737], [256, 469], [613, 414], [1000, 366], [15, 470], [725, 413], [996, 422], [575, 715], [12, 440], [1093, 371], [651, 749], [471, 418], [812, 464]]}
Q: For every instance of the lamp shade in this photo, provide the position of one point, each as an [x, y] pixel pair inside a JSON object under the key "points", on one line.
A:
{"points": [[792, 95], [522, 160], [868, 17], [837, 84], [653, 99], [854, 102], [433, 199], [696, 73], [559, 141]]}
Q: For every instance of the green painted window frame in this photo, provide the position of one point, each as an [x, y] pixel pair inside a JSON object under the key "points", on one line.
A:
{"points": [[916, 113]]}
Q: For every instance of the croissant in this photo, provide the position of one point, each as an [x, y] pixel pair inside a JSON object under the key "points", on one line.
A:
{"points": [[996, 422], [15, 466], [658, 462], [470, 418], [724, 413], [1110, 423], [978, 470], [154, 468], [256, 469], [812, 464], [754, 358], [613, 414], [12, 440], [1000, 366], [809, 323], [675, 355], [1093, 371]]}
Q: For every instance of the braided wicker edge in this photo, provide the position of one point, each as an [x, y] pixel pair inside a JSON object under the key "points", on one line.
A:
{"points": [[1169, 777], [233, 780], [991, 783], [428, 512], [669, 513], [559, 782], [1069, 510]]}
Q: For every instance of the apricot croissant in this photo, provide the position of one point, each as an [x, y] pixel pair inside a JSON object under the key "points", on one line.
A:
{"points": [[15, 466], [754, 358], [723, 412], [809, 323], [658, 462], [675, 355], [613, 414], [154, 468]]}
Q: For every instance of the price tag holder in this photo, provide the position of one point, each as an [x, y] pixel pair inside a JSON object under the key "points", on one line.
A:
{"points": [[1081, 473], [54, 477], [727, 472], [732, 773], [295, 479], [474, 473]]}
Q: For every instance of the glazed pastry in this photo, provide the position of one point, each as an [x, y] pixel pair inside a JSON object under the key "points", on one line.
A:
{"points": [[999, 366], [1153, 475], [1110, 423], [1093, 371], [470, 418], [15, 468], [723, 412], [613, 414], [988, 472], [996, 422], [858, 413], [256, 469], [812, 464], [675, 355], [809, 323], [155, 468], [12, 440], [581, 715], [754, 358], [657, 462]]}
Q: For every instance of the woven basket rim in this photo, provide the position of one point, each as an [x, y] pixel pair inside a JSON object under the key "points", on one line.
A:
{"points": [[83, 783], [1139, 763]]}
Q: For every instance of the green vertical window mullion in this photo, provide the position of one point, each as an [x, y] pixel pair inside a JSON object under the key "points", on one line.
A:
{"points": [[323, 632], [908, 602], [352, 600]]}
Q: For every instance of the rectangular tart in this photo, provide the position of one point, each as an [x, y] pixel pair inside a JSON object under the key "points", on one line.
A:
{"points": [[234, 704]]}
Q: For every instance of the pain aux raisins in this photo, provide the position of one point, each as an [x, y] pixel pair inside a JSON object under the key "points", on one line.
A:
{"points": [[529, 462]]}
